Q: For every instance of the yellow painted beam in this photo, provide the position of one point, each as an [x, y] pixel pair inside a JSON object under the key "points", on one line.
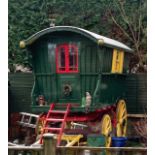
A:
{"points": [[117, 61]]}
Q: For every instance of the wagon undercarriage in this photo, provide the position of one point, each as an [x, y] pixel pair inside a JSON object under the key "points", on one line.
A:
{"points": [[109, 121]]}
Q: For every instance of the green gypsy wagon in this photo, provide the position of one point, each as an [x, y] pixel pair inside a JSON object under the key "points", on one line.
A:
{"points": [[81, 74]]}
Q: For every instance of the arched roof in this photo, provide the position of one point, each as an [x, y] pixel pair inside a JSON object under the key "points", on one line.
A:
{"points": [[91, 35]]}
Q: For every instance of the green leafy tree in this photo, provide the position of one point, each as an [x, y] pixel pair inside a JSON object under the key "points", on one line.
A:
{"points": [[25, 18]]}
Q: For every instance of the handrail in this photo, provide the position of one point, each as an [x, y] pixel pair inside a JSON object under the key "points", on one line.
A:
{"points": [[30, 148]]}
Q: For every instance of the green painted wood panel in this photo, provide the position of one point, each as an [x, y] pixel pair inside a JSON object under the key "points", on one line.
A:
{"points": [[92, 61], [47, 80], [106, 58], [20, 92], [72, 80], [126, 62], [21, 86], [112, 88], [89, 67], [42, 71]]}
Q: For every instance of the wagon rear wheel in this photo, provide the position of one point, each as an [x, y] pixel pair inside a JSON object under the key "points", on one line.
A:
{"points": [[39, 126], [106, 129], [121, 116]]}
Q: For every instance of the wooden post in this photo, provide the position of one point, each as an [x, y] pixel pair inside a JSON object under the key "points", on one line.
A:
{"points": [[49, 144], [11, 152]]}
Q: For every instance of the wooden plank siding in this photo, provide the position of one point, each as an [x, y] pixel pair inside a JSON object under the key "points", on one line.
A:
{"points": [[88, 68], [21, 86], [20, 92]]}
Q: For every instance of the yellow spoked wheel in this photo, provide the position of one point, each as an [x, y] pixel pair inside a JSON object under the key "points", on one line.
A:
{"points": [[106, 129], [39, 126], [121, 116]]}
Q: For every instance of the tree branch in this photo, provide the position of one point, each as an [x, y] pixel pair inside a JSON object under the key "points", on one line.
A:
{"points": [[125, 18], [134, 36], [121, 28]]}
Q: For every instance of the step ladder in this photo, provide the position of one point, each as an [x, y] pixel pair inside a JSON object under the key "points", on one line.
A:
{"points": [[61, 118], [28, 120]]}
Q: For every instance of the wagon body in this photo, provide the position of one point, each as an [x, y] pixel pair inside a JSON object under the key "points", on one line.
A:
{"points": [[69, 61]]}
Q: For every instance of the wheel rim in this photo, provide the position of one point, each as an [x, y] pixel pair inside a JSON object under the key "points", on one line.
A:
{"points": [[106, 129], [121, 116], [39, 126]]}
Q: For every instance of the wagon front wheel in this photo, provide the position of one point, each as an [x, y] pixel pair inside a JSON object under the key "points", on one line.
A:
{"points": [[106, 129], [121, 116]]}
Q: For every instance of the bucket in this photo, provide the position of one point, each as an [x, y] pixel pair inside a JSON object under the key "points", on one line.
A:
{"points": [[95, 140], [119, 141]]}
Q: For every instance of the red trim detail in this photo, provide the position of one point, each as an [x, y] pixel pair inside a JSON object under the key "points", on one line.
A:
{"points": [[67, 58], [91, 116], [67, 68]]}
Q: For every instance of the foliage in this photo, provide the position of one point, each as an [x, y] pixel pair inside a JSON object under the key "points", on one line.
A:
{"points": [[111, 18], [25, 18], [141, 129], [131, 23]]}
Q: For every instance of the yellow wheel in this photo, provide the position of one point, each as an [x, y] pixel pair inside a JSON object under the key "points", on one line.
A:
{"points": [[106, 129], [39, 126], [121, 116]]}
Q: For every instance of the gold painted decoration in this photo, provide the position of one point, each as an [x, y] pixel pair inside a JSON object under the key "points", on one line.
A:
{"points": [[22, 44], [100, 42]]}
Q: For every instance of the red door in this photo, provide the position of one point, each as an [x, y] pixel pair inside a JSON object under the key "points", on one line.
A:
{"points": [[67, 69]]}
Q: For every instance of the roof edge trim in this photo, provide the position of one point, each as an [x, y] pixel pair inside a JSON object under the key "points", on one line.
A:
{"points": [[91, 35]]}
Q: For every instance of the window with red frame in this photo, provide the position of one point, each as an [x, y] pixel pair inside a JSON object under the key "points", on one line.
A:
{"points": [[67, 58]]}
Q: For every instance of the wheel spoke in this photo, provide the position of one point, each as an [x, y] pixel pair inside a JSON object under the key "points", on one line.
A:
{"points": [[106, 129], [121, 116]]}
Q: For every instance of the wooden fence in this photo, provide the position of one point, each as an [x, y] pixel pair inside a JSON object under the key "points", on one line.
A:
{"points": [[136, 93], [49, 148]]}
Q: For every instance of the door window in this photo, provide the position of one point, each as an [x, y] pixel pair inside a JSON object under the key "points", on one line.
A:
{"points": [[67, 58]]}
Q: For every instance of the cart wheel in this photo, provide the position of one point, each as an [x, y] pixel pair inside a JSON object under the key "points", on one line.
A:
{"points": [[121, 116], [106, 129], [39, 126]]}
